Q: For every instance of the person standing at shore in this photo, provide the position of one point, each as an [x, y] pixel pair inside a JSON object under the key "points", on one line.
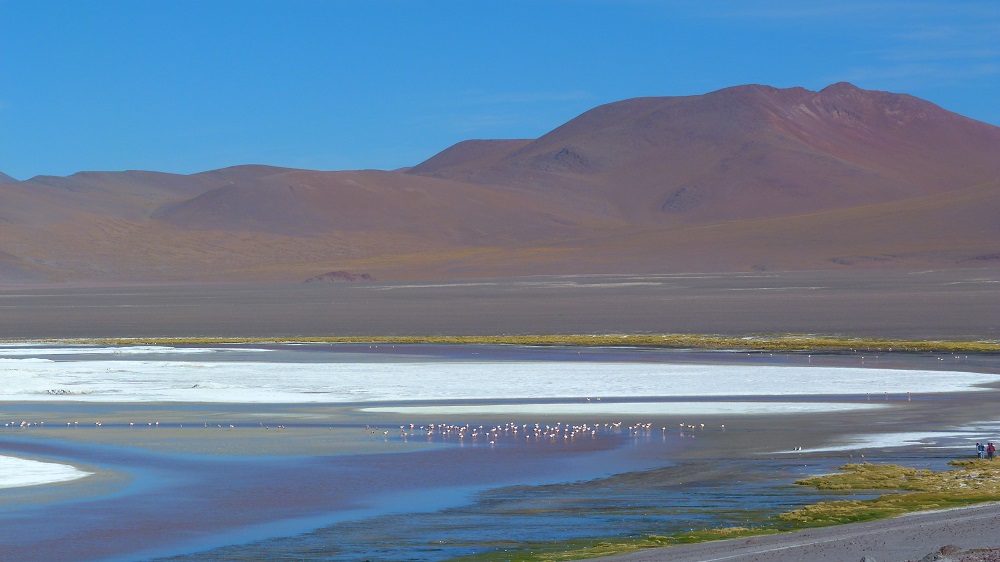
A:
{"points": [[980, 450], [990, 449]]}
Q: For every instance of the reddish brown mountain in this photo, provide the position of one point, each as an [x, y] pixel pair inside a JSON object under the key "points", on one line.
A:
{"points": [[748, 177], [745, 152], [308, 203]]}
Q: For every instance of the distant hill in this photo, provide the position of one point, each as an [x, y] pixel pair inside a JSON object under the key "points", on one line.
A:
{"points": [[4, 178], [749, 177]]}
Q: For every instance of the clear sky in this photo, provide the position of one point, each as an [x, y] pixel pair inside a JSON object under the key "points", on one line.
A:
{"points": [[183, 86]]}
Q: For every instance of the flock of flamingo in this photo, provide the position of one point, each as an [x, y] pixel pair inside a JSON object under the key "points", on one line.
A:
{"points": [[509, 432], [513, 432]]}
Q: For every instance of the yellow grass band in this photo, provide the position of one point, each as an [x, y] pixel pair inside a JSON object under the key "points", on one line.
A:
{"points": [[789, 342]]}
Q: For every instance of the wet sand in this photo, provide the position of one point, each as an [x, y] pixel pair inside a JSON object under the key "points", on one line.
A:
{"points": [[947, 304]]}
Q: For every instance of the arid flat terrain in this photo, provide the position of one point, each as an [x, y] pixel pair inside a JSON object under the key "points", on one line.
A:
{"points": [[950, 304]]}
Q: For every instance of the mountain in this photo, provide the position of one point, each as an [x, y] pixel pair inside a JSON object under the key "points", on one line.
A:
{"points": [[4, 178], [309, 203], [744, 152], [744, 178]]}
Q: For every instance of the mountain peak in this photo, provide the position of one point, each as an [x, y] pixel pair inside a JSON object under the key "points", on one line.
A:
{"points": [[840, 87], [750, 150], [4, 178]]}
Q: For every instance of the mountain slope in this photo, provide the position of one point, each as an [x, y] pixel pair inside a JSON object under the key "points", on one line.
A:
{"points": [[301, 202], [468, 155], [745, 178], [750, 151]]}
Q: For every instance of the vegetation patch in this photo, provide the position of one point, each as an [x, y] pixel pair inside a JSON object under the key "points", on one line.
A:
{"points": [[973, 481], [787, 342], [970, 482], [583, 549]]}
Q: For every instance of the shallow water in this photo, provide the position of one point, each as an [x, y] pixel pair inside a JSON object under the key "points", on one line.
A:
{"points": [[179, 503], [500, 519], [435, 495]]}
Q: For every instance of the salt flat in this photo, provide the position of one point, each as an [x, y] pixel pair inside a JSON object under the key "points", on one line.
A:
{"points": [[17, 472], [657, 409], [188, 380]]}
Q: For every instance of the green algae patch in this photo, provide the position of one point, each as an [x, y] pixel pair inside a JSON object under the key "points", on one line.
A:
{"points": [[978, 476], [912, 490], [784, 342], [972, 482], [584, 549], [868, 476]]}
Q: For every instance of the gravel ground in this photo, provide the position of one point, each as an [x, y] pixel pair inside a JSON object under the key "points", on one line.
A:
{"points": [[953, 304], [984, 555]]}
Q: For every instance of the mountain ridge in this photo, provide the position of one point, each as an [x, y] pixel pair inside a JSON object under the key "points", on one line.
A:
{"points": [[680, 152], [747, 177]]}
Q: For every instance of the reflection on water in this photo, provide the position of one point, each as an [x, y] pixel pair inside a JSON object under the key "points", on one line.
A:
{"points": [[635, 505], [182, 503]]}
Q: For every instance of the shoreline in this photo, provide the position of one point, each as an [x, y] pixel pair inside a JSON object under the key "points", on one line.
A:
{"points": [[910, 536], [785, 343], [798, 343]]}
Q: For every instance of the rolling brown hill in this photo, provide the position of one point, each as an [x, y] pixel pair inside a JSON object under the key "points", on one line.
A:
{"points": [[309, 203], [749, 177]]}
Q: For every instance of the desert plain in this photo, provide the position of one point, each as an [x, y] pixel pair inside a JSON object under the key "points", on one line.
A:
{"points": [[950, 304]]}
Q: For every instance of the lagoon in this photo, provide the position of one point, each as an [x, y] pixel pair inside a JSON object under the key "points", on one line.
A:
{"points": [[215, 452]]}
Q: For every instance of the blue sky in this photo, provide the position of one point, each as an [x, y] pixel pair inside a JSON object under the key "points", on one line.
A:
{"points": [[182, 86]]}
